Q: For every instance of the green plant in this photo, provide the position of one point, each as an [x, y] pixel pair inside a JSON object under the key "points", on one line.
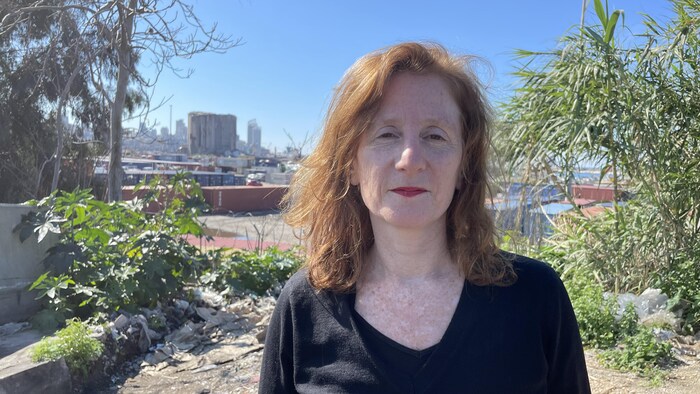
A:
{"points": [[118, 255], [682, 282], [594, 312], [74, 344], [629, 322], [631, 258], [252, 273], [642, 353], [627, 102]]}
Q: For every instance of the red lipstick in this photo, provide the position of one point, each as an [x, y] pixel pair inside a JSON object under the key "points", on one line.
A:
{"points": [[408, 191]]}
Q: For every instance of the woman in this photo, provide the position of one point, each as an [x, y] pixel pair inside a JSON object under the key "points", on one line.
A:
{"points": [[405, 289]]}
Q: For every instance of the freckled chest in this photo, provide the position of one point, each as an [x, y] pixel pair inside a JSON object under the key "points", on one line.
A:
{"points": [[415, 317]]}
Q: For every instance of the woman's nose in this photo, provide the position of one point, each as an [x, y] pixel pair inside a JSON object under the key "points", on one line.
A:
{"points": [[412, 157]]}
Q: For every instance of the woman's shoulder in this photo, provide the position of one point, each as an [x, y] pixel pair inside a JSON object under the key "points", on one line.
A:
{"points": [[298, 284], [299, 295], [538, 285], [531, 271]]}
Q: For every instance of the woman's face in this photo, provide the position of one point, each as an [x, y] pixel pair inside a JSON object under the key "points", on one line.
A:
{"points": [[408, 161]]}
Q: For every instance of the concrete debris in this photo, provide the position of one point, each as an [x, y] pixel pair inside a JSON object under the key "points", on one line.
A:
{"points": [[664, 335], [160, 354], [153, 335], [120, 323], [209, 315], [18, 374], [645, 304], [686, 345], [651, 307], [187, 337], [242, 307], [234, 330], [11, 328], [181, 304], [261, 327], [99, 333], [662, 318], [209, 297]]}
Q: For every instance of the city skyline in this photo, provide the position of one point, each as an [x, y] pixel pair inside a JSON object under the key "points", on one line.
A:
{"points": [[292, 56]]}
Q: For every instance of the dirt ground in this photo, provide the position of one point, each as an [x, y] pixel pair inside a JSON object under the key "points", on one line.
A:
{"points": [[237, 376], [268, 227], [683, 379], [242, 375]]}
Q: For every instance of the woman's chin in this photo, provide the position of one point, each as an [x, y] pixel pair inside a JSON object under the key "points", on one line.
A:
{"points": [[408, 221]]}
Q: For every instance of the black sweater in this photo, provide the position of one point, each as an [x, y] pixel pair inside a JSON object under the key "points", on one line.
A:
{"points": [[517, 339]]}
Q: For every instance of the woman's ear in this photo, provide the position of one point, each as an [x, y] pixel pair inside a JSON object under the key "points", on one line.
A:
{"points": [[353, 176], [460, 180]]}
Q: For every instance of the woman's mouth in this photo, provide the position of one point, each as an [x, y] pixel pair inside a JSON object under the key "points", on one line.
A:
{"points": [[408, 191]]}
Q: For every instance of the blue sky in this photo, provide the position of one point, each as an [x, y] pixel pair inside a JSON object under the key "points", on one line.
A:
{"points": [[294, 53]]}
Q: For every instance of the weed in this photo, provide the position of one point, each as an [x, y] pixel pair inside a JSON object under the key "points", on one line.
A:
{"points": [[253, 273], [74, 344], [642, 353], [594, 312]]}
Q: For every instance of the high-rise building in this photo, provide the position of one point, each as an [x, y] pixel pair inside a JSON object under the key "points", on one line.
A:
{"points": [[254, 135], [211, 133], [164, 132], [180, 130]]}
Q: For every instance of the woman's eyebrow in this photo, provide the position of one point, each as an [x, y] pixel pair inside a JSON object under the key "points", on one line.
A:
{"points": [[392, 120]]}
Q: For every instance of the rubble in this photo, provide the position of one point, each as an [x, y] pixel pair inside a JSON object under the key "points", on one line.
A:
{"points": [[195, 336], [651, 307], [235, 329]]}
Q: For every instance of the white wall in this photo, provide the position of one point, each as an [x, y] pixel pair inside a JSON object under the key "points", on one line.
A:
{"points": [[20, 265]]}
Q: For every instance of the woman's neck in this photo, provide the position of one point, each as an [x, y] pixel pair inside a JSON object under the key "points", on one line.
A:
{"points": [[408, 255]]}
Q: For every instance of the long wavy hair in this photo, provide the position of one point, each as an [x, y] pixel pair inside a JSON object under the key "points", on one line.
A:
{"points": [[331, 213]]}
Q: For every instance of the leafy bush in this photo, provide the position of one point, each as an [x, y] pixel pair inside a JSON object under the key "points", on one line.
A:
{"points": [[642, 353], [595, 313], [629, 250], [627, 345], [117, 255], [630, 106], [629, 322], [74, 344], [682, 282], [252, 273]]}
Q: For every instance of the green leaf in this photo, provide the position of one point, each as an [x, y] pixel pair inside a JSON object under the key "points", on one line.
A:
{"points": [[39, 280], [594, 34], [610, 28], [45, 228], [600, 11]]}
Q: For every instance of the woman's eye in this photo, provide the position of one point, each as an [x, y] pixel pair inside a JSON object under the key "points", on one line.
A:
{"points": [[386, 135], [436, 137]]}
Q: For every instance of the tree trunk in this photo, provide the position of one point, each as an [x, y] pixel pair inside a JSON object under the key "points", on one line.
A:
{"points": [[60, 128], [115, 175], [59, 148]]}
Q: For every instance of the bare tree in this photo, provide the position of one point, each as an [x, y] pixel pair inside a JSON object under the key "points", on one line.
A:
{"points": [[117, 36]]}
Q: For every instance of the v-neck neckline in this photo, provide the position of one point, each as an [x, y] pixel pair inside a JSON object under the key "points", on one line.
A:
{"points": [[390, 342], [443, 351]]}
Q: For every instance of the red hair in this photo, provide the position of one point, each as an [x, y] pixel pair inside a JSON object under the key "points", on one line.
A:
{"points": [[332, 214]]}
